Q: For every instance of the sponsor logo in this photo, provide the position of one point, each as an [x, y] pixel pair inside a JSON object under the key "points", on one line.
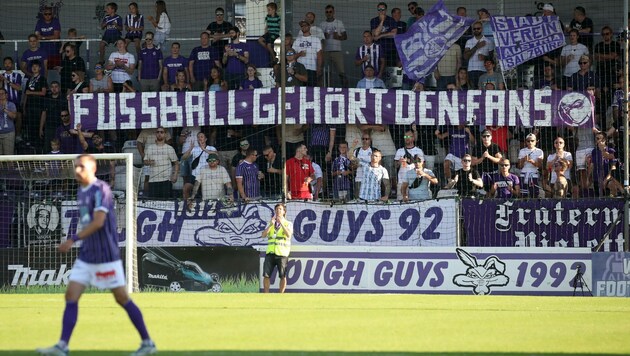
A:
{"points": [[25, 276], [481, 276], [106, 274], [157, 276]]}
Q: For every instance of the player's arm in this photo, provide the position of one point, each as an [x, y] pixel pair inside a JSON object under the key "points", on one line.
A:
{"points": [[98, 221]]}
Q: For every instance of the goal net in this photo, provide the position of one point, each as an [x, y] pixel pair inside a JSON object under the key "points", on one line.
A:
{"points": [[38, 211]]}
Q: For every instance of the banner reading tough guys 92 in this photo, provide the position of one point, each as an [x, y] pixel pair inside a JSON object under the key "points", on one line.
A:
{"points": [[121, 111], [214, 223]]}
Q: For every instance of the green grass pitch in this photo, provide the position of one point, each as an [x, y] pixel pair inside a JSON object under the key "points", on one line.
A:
{"points": [[324, 324]]}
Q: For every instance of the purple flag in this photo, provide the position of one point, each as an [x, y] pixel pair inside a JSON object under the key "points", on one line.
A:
{"points": [[427, 40], [519, 39]]}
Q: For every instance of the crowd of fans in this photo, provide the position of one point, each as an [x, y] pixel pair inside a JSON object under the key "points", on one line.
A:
{"points": [[345, 162]]}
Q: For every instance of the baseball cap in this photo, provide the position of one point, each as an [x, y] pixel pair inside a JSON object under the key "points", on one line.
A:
{"points": [[548, 7], [531, 136], [244, 143], [212, 157]]}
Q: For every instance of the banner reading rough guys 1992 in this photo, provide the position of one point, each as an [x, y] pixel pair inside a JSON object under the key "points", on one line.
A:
{"points": [[122, 111]]}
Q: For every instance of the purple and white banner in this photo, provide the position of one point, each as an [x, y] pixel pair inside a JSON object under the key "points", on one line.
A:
{"points": [[543, 223], [519, 39], [611, 274], [479, 271], [332, 106], [215, 223], [427, 40]]}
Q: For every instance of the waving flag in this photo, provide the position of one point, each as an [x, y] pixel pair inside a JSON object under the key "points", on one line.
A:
{"points": [[519, 39], [427, 40]]}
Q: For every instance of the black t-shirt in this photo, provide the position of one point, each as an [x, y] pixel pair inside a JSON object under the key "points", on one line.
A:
{"points": [[464, 186], [35, 103], [222, 29], [67, 67], [53, 108], [486, 166], [224, 143], [272, 183], [585, 39]]}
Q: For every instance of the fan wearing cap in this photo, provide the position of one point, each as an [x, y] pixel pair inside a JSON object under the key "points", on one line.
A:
{"points": [[416, 185], [530, 162], [309, 53], [214, 181], [296, 72], [584, 79]]}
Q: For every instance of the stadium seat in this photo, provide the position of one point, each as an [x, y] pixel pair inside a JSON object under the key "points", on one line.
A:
{"points": [[131, 147]]}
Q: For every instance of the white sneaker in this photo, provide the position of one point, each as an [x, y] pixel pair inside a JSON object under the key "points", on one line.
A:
{"points": [[146, 348], [55, 350]]}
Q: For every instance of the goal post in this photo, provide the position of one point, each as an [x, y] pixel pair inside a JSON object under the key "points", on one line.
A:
{"points": [[43, 190]]}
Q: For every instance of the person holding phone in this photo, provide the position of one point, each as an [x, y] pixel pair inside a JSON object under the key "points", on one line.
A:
{"points": [[279, 232]]}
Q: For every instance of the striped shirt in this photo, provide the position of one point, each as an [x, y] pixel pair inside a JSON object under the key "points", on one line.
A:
{"points": [[248, 172], [112, 25], [102, 245], [341, 182], [375, 52], [372, 179], [135, 21], [273, 24], [13, 95]]}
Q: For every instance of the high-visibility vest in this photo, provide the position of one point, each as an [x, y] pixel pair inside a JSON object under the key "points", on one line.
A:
{"points": [[279, 242]]}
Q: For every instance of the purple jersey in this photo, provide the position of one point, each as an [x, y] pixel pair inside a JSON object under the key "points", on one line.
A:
{"points": [[503, 183], [29, 56], [249, 173], [204, 60], [102, 245], [47, 29], [374, 52], [150, 58], [69, 143], [13, 95], [601, 165], [458, 141], [235, 65], [341, 182], [135, 21], [251, 84], [172, 65], [113, 24]]}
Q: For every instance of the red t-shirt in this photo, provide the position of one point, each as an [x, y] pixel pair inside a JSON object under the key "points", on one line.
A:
{"points": [[297, 171], [500, 136]]}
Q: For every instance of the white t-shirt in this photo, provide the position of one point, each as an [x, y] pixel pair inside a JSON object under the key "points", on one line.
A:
{"points": [[577, 51], [384, 142], [213, 182], [163, 157], [567, 173], [534, 153], [334, 26], [364, 157], [318, 174], [474, 63], [311, 45], [315, 32], [402, 172], [120, 75]]}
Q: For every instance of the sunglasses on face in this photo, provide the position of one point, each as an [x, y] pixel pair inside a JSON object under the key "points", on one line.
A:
{"points": [[290, 54], [211, 160], [476, 28], [583, 62], [531, 140], [485, 136], [329, 12], [408, 136], [466, 160], [98, 67], [365, 139], [380, 9]]}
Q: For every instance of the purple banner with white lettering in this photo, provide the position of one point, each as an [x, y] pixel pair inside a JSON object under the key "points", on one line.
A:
{"points": [[544, 223], [519, 39], [333, 106], [427, 40]]}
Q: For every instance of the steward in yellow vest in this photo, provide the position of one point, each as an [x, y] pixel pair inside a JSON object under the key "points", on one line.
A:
{"points": [[279, 232]]}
